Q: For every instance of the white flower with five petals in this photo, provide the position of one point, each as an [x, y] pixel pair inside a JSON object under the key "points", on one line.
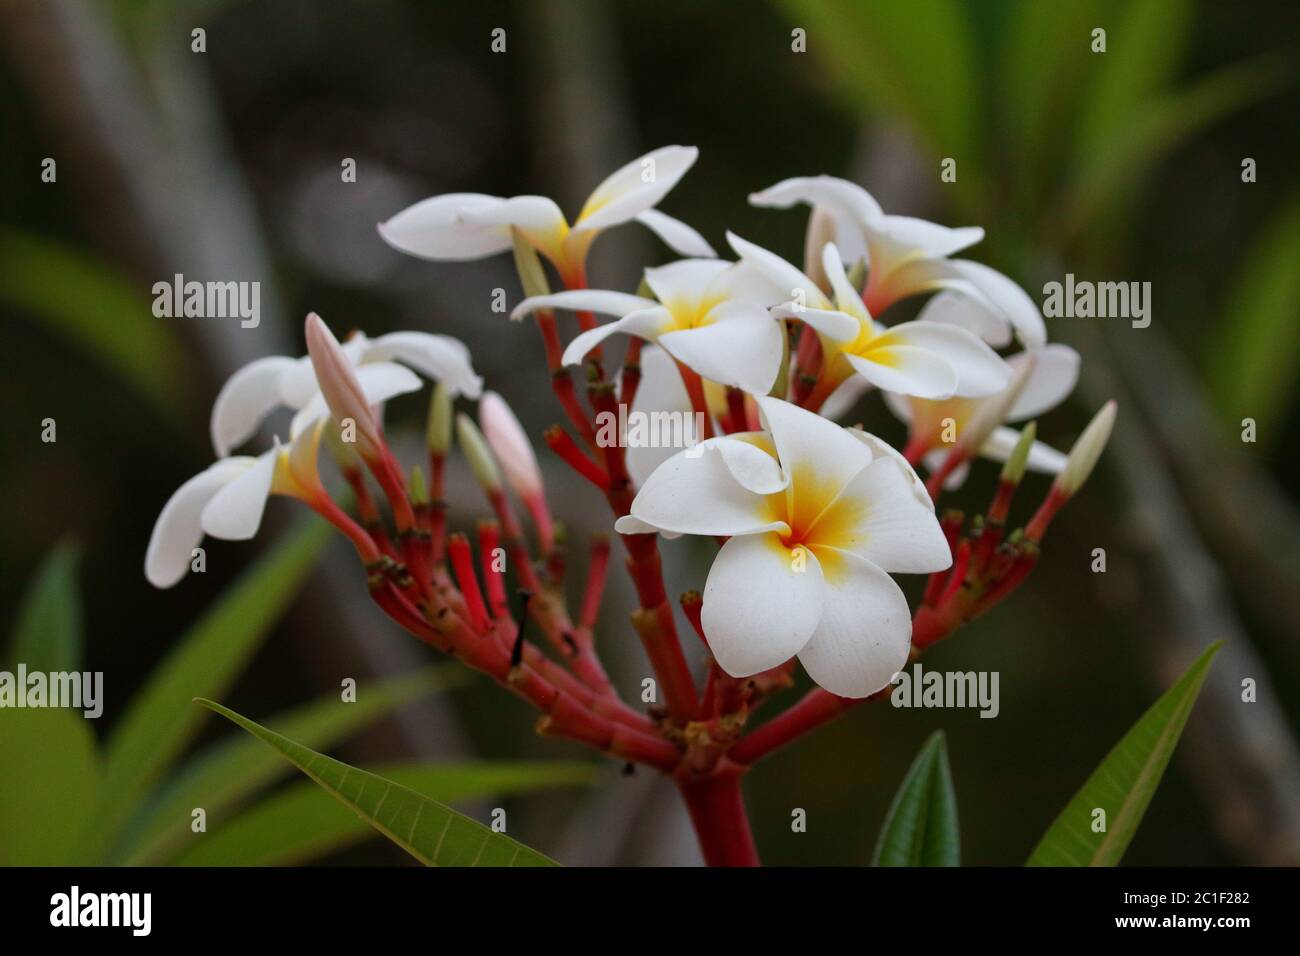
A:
{"points": [[460, 226], [817, 516], [908, 256], [708, 314]]}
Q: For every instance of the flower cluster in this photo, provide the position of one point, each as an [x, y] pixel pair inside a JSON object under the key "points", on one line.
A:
{"points": [[811, 519]]}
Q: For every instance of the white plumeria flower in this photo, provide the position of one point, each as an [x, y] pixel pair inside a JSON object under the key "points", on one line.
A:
{"points": [[908, 256], [1053, 377], [815, 518], [926, 359], [227, 501], [459, 226], [710, 315], [264, 385]]}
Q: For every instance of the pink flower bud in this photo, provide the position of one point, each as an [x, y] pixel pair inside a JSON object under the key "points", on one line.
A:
{"points": [[338, 382], [506, 437]]}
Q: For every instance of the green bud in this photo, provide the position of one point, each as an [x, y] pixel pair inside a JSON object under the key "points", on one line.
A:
{"points": [[1014, 469], [532, 276], [419, 490], [438, 431], [476, 450]]}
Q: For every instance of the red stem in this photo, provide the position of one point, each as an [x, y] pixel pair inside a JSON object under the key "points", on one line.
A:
{"points": [[717, 811]]}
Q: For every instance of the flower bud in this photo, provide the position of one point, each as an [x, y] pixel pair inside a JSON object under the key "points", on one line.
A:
{"points": [[477, 453], [438, 430], [992, 411], [1014, 469], [1086, 451], [506, 437], [419, 489], [529, 266], [338, 383]]}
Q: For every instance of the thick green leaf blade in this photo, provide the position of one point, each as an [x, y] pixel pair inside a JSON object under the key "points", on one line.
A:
{"points": [[160, 720], [95, 309], [49, 785], [1255, 353], [48, 631], [226, 774], [303, 823], [1125, 782], [921, 826], [433, 833]]}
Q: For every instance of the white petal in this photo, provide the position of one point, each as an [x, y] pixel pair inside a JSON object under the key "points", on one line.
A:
{"points": [[980, 370], [625, 193], [677, 236], [911, 371], [971, 313], [694, 492], [433, 229], [438, 357], [630, 525], [660, 390], [920, 275], [930, 238], [759, 611], [380, 381], [843, 197], [786, 281], [235, 512], [535, 215], [1012, 301], [847, 298], [809, 445], [1053, 378], [585, 300], [687, 280], [751, 459], [882, 449], [645, 324], [879, 517], [864, 633], [1042, 458], [836, 326], [245, 400], [742, 348], [178, 531]]}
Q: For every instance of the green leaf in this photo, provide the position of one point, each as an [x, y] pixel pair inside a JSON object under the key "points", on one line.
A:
{"points": [[913, 61], [921, 826], [1255, 348], [49, 785], [160, 721], [303, 823], [226, 774], [95, 309], [434, 834], [48, 631], [1160, 126], [1125, 782]]}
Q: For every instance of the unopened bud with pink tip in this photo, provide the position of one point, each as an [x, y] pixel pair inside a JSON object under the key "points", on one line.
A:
{"points": [[1083, 458], [508, 441], [337, 378]]}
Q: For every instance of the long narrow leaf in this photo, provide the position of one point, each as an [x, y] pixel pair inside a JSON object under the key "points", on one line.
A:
{"points": [[434, 834], [921, 826], [160, 720], [226, 774], [1122, 787], [48, 631]]}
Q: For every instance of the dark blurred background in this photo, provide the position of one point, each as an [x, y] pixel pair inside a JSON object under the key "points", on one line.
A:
{"points": [[1117, 166]]}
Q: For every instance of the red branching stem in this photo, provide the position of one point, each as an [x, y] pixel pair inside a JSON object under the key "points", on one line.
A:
{"points": [[367, 549], [1000, 507], [915, 449], [807, 362], [597, 569], [692, 603], [960, 563], [462, 565], [717, 811], [699, 403], [737, 420], [516, 545], [494, 578], [630, 378], [1046, 512], [561, 379], [368, 511], [559, 441], [934, 484], [437, 505]]}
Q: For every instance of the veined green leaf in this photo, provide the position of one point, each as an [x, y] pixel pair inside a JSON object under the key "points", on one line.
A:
{"points": [[434, 834], [224, 775], [921, 826], [1255, 349], [96, 310], [303, 823], [48, 631], [49, 785], [1124, 784], [160, 720]]}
